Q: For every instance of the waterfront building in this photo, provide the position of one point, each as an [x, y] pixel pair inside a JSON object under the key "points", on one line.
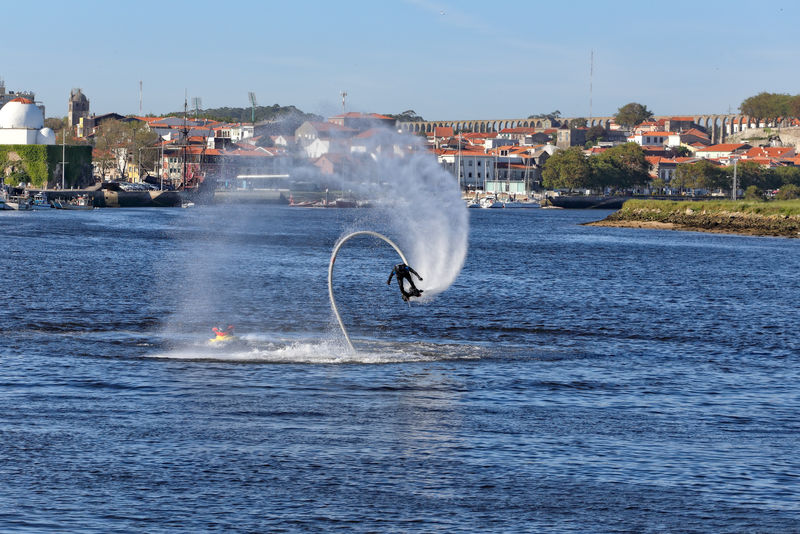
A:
{"points": [[472, 168], [22, 123]]}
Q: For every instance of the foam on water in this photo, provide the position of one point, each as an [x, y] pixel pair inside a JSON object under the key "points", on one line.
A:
{"points": [[263, 349]]}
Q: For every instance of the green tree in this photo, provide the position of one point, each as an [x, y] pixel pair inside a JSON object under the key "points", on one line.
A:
{"points": [[753, 193], [747, 173], [552, 115], [577, 123], [122, 141], [658, 185], [769, 106], [621, 167], [680, 152], [788, 192], [794, 106], [700, 175], [595, 133], [632, 114], [54, 123], [408, 115], [567, 169], [785, 175]]}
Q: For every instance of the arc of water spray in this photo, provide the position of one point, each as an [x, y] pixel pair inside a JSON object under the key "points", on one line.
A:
{"points": [[330, 272]]}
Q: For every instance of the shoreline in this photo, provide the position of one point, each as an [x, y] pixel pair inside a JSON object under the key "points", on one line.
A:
{"points": [[655, 225], [724, 218]]}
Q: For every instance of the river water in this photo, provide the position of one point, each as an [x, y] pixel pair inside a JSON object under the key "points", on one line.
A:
{"points": [[572, 379]]}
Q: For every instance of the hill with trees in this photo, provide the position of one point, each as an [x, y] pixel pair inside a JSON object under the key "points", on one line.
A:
{"points": [[262, 113], [771, 106]]}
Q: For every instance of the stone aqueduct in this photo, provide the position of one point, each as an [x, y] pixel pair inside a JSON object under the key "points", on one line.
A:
{"points": [[718, 126]]}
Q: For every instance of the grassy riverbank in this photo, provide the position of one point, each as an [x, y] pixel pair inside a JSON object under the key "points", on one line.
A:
{"points": [[775, 218]]}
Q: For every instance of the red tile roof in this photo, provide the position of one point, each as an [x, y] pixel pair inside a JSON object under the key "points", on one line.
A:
{"points": [[768, 152], [723, 147], [695, 132], [519, 130]]}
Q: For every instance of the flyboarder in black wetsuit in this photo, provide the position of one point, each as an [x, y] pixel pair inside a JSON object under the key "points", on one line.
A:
{"points": [[403, 272]]}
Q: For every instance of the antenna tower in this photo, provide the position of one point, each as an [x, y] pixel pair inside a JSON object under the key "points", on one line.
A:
{"points": [[591, 76], [140, 98], [197, 104], [344, 98], [252, 97]]}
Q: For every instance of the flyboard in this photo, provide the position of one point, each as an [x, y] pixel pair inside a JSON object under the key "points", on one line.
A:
{"points": [[339, 244], [222, 340]]}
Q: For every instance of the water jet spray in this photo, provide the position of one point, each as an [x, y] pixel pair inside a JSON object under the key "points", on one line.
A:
{"points": [[330, 272]]}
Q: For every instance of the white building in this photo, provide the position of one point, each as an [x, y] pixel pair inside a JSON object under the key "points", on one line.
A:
{"points": [[475, 168], [22, 123], [667, 139]]}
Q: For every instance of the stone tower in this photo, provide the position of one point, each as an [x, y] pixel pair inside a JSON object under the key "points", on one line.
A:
{"points": [[78, 107]]}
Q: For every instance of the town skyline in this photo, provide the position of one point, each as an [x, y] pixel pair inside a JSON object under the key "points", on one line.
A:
{"points": [[444, 60]]}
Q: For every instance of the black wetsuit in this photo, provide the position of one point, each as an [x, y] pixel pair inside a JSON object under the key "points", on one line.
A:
{"points": [[403, 272]]}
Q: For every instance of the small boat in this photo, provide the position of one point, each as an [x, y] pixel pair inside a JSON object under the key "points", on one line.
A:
{"points": [[187, 204], [492, 201], [473, 202], [40, 202], [81, 202], [524, 203], [17, 203]]}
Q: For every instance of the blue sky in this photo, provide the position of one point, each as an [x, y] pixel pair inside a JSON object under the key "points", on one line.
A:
{"points": [[444, 59]]}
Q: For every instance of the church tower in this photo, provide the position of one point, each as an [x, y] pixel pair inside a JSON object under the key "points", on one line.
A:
{"points": [[78, 108]]}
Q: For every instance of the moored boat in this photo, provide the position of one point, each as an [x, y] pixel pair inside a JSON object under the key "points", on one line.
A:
{"points": [[522, 204], [17, 203], [81, 202], [492, 201], [40, 202], [587, 201]]}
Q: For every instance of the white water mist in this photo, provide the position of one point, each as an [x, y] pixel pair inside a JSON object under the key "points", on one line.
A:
{"points": [[420, 205]]}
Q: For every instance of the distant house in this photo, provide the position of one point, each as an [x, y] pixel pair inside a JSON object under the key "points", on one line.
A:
{"points": [[472, 168], [678, 124], [518, 133], [694, 136], [283, 140], [538, 138], [723, 150], [771, 152], [317, 138], [567, 137], [655, 138], [340, 164], [362, 121], [376, 141], [665, 168]]}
